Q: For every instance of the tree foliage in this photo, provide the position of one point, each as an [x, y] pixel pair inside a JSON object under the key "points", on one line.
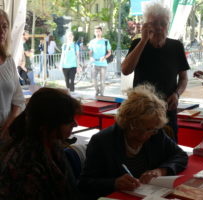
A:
{"points": [[49, 14]]}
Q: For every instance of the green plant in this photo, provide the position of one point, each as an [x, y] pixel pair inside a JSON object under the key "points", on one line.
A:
{"points": [[112, 36]]}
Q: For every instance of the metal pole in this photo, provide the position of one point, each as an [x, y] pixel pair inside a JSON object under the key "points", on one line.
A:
{"points": [[118, 49]]}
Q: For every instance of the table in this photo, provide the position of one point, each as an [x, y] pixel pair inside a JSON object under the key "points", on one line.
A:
{"points": [[95, 120], [189, 133], [195, 165]]}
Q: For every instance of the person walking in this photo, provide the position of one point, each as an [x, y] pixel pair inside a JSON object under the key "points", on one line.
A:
{"points": [[51, 50], [69, 60], [159, 60], [99, 51]]}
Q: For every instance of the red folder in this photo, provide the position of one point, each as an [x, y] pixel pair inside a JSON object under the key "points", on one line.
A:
{"points": [[98, 106]]}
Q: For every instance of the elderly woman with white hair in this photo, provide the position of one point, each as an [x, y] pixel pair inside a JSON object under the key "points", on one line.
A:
{"points": [[11, 96], [136, 140], [159, 60], [69, 60]]}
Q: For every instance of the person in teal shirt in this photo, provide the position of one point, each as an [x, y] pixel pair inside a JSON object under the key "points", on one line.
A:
{"points": [[69, 60], [100, 50]]}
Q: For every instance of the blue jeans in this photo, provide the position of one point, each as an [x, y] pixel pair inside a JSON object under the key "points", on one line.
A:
{"points": [[30, 75]]}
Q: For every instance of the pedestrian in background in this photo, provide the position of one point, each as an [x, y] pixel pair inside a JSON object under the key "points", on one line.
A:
{"points": [[41, 58], [69, 60], [51, 50], [100, 50], [27, 55]]}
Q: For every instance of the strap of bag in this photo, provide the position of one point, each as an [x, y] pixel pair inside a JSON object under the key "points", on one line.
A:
{"points": [[106, 46], [75, 47]]}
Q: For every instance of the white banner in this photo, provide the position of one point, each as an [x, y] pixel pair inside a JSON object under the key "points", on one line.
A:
{"points": [[180, 18]]}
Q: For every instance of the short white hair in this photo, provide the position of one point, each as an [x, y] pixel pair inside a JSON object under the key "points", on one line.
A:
{"points": [[156, 9]]}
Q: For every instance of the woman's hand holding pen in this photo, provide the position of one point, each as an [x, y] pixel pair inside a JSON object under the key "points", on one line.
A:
{"points": [[148, 175], [126, 182]]}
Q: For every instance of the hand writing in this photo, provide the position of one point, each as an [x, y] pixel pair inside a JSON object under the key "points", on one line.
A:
{"points": [[126, 182], [148, 175]]}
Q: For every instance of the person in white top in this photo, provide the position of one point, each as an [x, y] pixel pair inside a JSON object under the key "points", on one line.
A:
{"points": [[51, 50], [11, 96]]}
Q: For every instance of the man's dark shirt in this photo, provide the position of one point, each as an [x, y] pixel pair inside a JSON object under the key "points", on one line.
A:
{"points": [[28, 63], [160, 66]]}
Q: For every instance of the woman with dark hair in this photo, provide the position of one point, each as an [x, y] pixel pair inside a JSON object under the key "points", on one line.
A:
{"points": [[33, 164]]}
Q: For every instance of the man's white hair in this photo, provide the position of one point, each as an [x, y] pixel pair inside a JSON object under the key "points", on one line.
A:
{"points": [[156, 9]]}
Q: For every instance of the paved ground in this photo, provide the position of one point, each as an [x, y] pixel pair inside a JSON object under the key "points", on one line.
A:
{"points": [[194, 89]]}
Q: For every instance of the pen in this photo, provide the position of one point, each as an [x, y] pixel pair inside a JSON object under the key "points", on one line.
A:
{"points": [[127, 170]]}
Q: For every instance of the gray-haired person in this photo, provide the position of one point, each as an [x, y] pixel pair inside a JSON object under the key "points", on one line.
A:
{"points": [[159, 60]]}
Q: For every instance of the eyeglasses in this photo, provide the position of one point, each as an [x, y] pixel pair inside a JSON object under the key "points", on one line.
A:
{"points": [[149, 131], [154, 131], [159, 23]]}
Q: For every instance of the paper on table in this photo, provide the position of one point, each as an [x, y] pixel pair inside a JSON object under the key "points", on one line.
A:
{"points": [[160, 187], [164, 181], [153, 197]]}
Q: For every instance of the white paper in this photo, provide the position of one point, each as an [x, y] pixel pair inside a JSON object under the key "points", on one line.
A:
{"points": [[160, 187], [147, 190], [111, 112], [164, 181], [153, 197]]}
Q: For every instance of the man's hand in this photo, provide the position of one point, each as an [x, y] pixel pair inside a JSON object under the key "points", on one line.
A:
{"points": [[198, 74], [126, 182], [24, 69], [172, 101], [147, 31], [102, 59], [148, 175]]}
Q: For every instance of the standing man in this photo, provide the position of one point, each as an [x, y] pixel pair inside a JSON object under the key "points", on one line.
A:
{"points": [[28, 53], [159, 60], [100, 50]]}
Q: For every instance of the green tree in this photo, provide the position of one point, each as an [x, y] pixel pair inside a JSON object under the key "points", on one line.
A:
{"points": [[47, 11]]}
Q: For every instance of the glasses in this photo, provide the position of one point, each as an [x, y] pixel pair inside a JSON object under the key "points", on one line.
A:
{"points": [[159, 23], [154, 131], [149, 131]]}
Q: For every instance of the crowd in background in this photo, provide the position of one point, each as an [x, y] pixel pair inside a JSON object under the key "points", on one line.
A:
{"points": [[99, 51]]}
